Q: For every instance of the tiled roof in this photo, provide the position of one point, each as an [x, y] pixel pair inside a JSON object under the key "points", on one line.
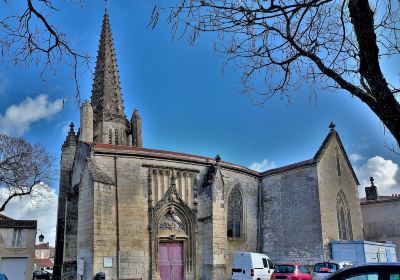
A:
{"points": [[107, 148], [381, 199], [4, 217], [18, 224], [42, 246], [43, 262]]}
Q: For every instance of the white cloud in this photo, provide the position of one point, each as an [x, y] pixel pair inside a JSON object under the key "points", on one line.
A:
{"points": [[45, 212], [385, 172], [356, 157], [18, 117], [264, 165], [4, 83]]}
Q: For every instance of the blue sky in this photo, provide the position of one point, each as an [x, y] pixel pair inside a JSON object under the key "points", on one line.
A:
{"points": [[186, 103]]}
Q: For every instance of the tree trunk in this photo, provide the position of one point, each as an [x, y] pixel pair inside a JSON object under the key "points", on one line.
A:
{"points": [[383, 103]]}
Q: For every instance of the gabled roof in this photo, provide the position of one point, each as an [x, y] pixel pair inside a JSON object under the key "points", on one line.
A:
{"points": [[317, 157], [331, 135]]}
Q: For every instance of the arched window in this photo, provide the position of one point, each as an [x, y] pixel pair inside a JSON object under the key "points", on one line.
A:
{"points": [[110, 136], [235, 214], [343, 217]]}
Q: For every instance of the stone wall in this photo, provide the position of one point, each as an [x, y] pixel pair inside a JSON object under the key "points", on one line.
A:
{"points": [[132, 232], [290, 206], [85, 238], [330, 183], [248, 186], [67, 159], [380, 225]]}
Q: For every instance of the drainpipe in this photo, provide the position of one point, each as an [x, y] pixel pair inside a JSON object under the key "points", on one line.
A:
{"points": [[117, 213], [259, 217]]}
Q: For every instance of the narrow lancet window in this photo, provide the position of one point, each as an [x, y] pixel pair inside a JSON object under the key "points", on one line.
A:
{"points": [[110, 136], [235, 214], [339, 171]]}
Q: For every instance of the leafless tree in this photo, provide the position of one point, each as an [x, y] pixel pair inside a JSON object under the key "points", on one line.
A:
{"points": [[336, 44], [28, 38], [24, 170]]}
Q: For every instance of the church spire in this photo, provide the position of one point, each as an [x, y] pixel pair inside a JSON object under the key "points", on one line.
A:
{"points": [[109, 122], [106, 94]]}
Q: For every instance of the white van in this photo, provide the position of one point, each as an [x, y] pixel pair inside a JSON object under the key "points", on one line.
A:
{"points": [[247, 265]]}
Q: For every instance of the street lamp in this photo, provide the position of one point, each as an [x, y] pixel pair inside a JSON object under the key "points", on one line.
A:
{"points": [[41, 238]]}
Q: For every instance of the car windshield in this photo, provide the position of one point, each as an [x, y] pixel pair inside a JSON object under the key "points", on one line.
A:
{"points": [[285, 268], [326, 267]]}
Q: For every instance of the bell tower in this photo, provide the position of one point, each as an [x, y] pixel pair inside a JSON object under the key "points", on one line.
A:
{"points": [[110, 125]]}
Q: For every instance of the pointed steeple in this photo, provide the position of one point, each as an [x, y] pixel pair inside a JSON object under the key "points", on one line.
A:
{"points": [[106, 94], [109, 121]]}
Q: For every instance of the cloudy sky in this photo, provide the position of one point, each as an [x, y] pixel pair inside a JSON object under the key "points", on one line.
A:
{"points": [[187, 104]]}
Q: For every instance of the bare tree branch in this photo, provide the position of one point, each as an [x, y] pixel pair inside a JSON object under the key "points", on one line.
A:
{"points": [[24, 170], [334, 44], [28, 38]]}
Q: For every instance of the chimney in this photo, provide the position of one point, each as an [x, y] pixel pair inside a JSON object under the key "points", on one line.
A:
{"points": [[371, 192]]}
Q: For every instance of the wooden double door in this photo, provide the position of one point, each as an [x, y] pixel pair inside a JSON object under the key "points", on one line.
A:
{"points": [[170, 256]]}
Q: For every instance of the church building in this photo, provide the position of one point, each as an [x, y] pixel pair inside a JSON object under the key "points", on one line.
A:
{"points": [[137, 213]]}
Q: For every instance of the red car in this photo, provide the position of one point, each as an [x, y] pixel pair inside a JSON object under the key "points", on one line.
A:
{"points": [[291, 271]]}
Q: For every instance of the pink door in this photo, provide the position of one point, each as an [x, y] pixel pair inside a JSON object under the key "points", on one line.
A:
{"points": [[171, 261]]}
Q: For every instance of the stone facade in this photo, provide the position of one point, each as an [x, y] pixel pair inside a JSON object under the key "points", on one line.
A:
{"points": [[123, 208], [17, 247], [379, 222]]}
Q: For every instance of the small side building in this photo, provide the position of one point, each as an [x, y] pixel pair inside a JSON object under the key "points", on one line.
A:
{"points": [[380, 216], [17, 247], [44, 257]]}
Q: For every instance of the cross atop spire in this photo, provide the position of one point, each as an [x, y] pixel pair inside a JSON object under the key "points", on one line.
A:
{"points": [[106, 94]]}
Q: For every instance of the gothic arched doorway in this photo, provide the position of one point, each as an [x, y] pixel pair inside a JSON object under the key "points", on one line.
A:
{"points": [[173, 237]]}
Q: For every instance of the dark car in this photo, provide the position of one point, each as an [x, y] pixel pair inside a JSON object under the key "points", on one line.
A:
{"points": [[3, 276], [42, 275], [372, 271]]}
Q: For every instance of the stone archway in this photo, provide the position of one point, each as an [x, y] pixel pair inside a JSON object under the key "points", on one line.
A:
{"points": [[173, 231]]}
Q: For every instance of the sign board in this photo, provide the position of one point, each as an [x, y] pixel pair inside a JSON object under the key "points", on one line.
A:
{"points": [[107, 262], [80, 267]]}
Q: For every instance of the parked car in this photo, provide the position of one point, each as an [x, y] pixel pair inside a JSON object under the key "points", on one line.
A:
{"points": [[42, 275], [247, 265], [324, 269], [370, 271], [291, 271], [3, 276]]}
